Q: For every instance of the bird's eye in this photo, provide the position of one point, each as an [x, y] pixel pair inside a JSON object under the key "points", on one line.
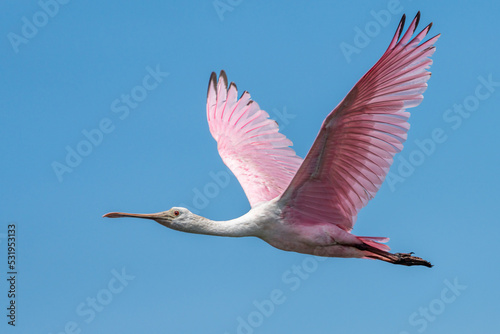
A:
{"points": [[176, 213]]}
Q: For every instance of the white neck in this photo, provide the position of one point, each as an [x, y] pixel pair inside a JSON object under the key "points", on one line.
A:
{"points": [[243, 226], [257, 222]]}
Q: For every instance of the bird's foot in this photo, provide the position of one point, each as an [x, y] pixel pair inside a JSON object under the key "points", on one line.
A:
{"points": [[407, 259]]}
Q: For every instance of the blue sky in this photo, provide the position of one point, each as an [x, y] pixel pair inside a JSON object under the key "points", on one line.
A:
{"points": [[68, 79]]}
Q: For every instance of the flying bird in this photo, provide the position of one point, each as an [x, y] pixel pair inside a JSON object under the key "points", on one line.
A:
{"points": [[310, 205]]}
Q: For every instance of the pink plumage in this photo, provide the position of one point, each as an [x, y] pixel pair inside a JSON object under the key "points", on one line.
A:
{"points": [[352, 153], [249, 142], [310, 206], [356, 144]]}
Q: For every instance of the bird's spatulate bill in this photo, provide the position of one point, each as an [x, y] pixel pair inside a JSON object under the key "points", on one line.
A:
{"points": [[131, 215]]}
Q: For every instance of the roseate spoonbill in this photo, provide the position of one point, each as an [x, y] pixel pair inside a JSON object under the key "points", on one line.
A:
{"points": [[310, 206]]}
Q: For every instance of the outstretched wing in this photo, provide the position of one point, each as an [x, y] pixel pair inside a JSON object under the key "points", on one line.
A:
{"points": [[249, 142], [356, 144]]}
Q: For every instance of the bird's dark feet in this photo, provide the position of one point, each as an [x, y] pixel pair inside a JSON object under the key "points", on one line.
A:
{"points": [[407, 259]]}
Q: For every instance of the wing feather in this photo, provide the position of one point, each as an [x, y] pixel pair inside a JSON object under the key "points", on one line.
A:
{"points": [[354, 149], [249, 142]]}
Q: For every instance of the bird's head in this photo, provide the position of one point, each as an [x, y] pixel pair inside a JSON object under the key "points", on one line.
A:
{"points": [[176, 218]]}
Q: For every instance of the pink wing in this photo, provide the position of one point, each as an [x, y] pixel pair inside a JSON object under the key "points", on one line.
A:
{"points": [[249, 142], [356, 144]]}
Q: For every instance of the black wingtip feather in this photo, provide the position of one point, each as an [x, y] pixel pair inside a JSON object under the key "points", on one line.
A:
{"points": [[429, 26], [223, 76], [212, 81], [232, 84], [244, 92], [402, 24], [417, 18]]}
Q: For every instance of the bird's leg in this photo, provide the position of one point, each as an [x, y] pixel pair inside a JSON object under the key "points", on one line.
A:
{"points": [[407, 259]]}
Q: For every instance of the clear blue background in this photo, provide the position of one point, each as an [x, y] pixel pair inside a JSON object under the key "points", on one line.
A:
{"points": [[288, 55]]}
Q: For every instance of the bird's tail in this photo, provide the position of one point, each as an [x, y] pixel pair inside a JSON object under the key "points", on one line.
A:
{"points": [[374, 249]]}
